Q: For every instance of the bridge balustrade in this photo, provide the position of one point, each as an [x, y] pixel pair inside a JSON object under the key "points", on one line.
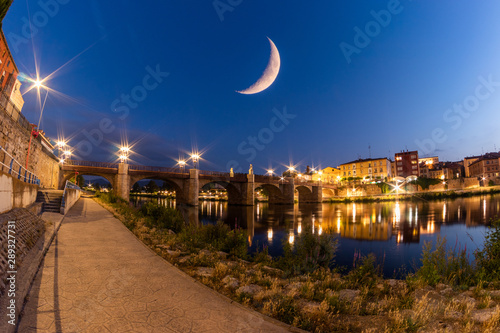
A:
{"points": [[135, 167], [91, 164]]}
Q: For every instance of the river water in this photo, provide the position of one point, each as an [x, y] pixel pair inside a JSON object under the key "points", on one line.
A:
{"points": [[394, 231]]}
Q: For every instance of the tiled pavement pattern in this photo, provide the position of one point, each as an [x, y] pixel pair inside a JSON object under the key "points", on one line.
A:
{"points": [[97, 277]]}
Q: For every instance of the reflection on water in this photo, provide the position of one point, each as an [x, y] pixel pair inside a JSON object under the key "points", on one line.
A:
{"points": [[395, 231]]}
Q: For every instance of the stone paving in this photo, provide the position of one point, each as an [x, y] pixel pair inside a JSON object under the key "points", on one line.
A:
{"points": [[98, 277]]}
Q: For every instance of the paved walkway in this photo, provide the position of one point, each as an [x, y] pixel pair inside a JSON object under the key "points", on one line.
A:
{"points": [[97, 277]]}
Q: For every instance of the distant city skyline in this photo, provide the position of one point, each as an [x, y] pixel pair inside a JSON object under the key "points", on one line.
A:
{"points": [[356, 79]]}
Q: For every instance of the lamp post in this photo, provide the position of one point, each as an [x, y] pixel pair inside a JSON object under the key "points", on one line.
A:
{"points": [[270, 172], [182, 164], [33, 133], [124, 154], [67, 155], [195, 158], [60, 146]]}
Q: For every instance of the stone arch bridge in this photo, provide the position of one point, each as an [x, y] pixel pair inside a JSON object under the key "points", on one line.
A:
{"points": [[240, 187]]}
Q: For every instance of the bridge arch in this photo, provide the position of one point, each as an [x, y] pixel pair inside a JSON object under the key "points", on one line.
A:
{"points": [[234, 194], [328, 192], [305, 193], [275, 194], [66, 175], [176, 184]]}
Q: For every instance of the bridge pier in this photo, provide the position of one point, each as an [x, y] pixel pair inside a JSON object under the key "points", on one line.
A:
{"points": [[317, 194], [248, 195], [288, 191], [122, 181], [191, 186]]}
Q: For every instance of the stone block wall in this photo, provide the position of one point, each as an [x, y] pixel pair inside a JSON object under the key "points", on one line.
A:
{"points": [[15, 140]]}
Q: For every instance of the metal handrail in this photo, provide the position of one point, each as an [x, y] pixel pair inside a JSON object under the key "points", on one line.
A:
{"points": [[22, 173]]}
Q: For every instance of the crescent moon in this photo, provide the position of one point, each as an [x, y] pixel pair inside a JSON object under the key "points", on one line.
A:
{"points": [[269, 75]]}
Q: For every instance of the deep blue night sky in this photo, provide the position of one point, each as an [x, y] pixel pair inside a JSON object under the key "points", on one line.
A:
{"points": [[398, 89]]}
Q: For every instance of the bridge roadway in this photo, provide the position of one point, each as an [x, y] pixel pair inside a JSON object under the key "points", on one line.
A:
{"points": [[187, 183]]}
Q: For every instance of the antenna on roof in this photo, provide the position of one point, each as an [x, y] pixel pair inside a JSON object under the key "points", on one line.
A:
{"points": [[370, 151], [495, 145]]}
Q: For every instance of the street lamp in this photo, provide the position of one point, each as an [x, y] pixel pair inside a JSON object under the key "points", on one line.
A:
{"points": [[182, 164], [60, 146], [66, 155], [195, 158], [124, 154], [270, 172]]}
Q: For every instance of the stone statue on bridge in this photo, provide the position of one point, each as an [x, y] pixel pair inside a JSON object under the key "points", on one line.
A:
{"points": [[250, 171], [231, 173]]}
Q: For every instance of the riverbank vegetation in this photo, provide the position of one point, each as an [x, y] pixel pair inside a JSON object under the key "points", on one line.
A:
{"points": [[304, 288]]}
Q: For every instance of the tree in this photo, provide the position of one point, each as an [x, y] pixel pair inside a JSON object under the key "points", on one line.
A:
{"points": [[136, 188], [152, 187], [165, 186], [97, 186], [80, 181]]}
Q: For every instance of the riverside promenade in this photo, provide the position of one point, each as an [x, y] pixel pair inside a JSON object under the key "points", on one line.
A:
{"points": [[98, 277]]}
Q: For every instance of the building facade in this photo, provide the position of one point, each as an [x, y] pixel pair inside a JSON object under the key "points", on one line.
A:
{"points": [[368, 169], [8, 69], [467, 162], [328, 175], [486, 167], [407, 164]]}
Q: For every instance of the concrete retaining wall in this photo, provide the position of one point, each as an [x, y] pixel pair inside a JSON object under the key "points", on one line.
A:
{"points": [[15, 193], [70, 198]]}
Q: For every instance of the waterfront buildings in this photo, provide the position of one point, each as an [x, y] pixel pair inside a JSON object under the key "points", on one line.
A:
{"points": [[486, 167], [467, 162], [370, 168], [407, 164], [8, 69], [328, 175]]}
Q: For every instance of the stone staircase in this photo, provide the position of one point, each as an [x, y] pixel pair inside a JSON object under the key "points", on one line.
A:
{"points": [[51, 200]]}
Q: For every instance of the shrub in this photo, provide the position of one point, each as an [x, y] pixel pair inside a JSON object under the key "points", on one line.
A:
{"points": [[488, 259], [308, 253], [162, 217], [440, 265], [219, 237], [283, 308], [364, 274]]}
